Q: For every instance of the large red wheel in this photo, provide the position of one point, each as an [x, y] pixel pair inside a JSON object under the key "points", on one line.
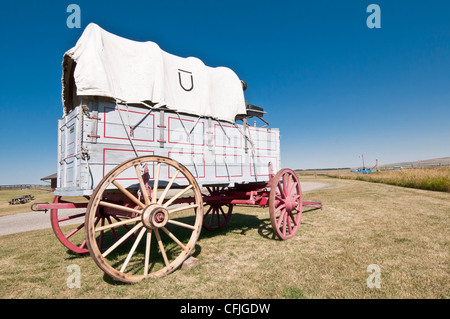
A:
{"points": [[216, 215], [285, 204]]}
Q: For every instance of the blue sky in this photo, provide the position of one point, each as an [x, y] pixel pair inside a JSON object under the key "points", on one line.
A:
{"points": [[334, 87]]}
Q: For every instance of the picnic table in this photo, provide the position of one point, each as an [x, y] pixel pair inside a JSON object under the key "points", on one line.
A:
{"points": [[21, 200]]}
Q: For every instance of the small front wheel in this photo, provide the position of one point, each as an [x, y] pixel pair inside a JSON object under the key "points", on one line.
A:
{"points": [[285, 204]]}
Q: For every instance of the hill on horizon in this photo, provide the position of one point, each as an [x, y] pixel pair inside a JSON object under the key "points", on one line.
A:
{"points": [[444, 161]]}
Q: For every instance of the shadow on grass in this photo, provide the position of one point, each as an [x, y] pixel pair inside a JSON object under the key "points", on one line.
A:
{"points": [[74, 256], [111, 281], [242, 223], [239, 224]]}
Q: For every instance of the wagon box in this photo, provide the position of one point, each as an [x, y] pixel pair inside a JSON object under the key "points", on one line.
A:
{"points": [[160, 146], [93, 140]]}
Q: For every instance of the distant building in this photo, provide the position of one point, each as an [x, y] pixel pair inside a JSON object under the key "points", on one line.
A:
{"points": [[52, 179]]}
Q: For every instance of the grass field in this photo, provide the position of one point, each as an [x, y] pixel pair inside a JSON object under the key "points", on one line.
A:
{"points": [[8, 194], [404, 231], [40, 196], [436, 179]]}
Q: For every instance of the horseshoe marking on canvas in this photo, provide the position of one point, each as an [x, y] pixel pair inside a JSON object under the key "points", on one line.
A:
{"points": [[192, 80]]}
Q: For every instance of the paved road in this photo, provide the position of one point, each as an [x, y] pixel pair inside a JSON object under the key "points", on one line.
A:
{"points": [[40, 220]]}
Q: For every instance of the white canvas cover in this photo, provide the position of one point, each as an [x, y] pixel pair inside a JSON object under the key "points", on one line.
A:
{"points": [[103, 64]]}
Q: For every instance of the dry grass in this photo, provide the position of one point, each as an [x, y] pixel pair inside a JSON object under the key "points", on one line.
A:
{"points": [[435, 179], [7, 194], [40, 196], [404, 231]]}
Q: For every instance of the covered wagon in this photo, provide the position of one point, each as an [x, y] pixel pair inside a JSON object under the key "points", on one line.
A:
{"points": [[160, 146]]}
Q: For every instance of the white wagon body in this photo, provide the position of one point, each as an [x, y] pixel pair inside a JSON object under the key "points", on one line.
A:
{"points": [[92, 140]]}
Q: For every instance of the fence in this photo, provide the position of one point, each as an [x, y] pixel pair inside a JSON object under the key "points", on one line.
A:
{"points": [[25, 186]]}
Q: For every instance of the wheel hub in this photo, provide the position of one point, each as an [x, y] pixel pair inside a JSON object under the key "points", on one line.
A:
{"points": [[155, 216], [290, 203]]}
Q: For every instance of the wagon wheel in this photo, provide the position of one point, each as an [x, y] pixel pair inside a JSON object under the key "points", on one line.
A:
{"points": [[174, 223], [74, 238], [217, 215], [285, 204], [71, 238]]}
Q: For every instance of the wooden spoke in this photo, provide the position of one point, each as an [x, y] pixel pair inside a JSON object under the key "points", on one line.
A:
{"points": [[121, 240], [130, 254], [147, 251], [102, 234], [163, 195], [173, 238], [281, 191], [155, 183], [83, 244], [223, 213], [119, 220], [294, 186], [174, 222], [170, 201], [284, 224], [278, 197], [179, 209], [212, 216], [280, 207], [120, 207], [123, 222], [287, 185], [292, 218], [161, 247], [128, 194], [74, 231], [113, 230], [142, 185], [71, 217], [209, 209], [281, 218]]}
